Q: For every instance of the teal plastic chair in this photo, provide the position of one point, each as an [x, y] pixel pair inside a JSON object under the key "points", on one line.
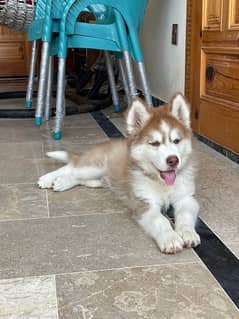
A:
{"points": [[46, 22], [114, 37], [127, 43]]}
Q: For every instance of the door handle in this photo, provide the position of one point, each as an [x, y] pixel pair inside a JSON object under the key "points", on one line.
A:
{"points": [[210, 73]]}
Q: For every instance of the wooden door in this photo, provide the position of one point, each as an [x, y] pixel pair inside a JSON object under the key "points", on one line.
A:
{"points": [[213, 60], [14, 53]]}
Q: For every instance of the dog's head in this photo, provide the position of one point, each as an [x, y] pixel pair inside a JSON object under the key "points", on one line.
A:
{"points": [[160, 137]]}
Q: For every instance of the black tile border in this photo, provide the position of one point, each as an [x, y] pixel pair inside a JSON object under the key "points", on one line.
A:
{"points": [[220, 149], [14, 95], [220, 261], [30, 113]]}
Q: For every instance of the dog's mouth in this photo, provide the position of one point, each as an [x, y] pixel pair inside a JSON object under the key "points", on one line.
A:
{"points": [[168, 176]]}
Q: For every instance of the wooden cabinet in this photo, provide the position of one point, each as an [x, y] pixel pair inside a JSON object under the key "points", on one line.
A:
{"points": [[213, 55], [15, 53]]}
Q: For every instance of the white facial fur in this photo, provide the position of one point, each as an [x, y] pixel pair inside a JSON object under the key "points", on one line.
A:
{"points": [[155, 157], [151, 156]]}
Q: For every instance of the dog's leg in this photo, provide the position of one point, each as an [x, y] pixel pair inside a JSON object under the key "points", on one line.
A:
{"points": [[186, 212], [46, 181], [160, 229], [93, 183], [85, 175]]}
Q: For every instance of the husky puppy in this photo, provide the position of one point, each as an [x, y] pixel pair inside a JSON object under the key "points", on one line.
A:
{"points": [[150, 170]]}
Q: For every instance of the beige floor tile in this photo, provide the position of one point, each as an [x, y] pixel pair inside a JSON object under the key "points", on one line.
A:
{"points": [[20, 134], [22, 150], [82, 200], [78, 135], [120, 124], [28, 298], [72, 244], [22, 201], [17, 171], [83, 120], [234, 247], [17, 123], [165, 292]]}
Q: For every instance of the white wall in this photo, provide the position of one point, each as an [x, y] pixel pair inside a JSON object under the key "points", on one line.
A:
{"points": [[165, 63]]}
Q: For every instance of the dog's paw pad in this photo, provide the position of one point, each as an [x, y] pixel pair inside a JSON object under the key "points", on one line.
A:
{"points": [[189, 236], [170, 243], [45, 182]]}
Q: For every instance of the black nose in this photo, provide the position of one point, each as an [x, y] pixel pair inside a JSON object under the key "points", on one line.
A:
{"points": [[172, 161]]}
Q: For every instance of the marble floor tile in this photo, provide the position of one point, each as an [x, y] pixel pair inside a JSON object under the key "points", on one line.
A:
{"points": [[234, 247], [18, 171], [83, 120], [21, 150], [78, 135], [72, 244], [120, 124], [20, 134], [22, 202], [82, 200], [28, 298], [165, 292], [13, 123]]}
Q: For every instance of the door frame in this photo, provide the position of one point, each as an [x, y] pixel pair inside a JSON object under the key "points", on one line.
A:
{"points": [[193, 55]]}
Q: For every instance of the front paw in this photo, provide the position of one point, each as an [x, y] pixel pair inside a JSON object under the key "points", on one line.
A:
{"points": [[189, 236], [169, 242], [45, 181]]}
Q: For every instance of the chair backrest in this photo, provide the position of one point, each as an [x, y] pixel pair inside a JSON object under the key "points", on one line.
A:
{"points": [[132, 11]]}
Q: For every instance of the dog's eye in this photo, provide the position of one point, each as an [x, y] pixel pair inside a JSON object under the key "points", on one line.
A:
{"points": [[176, 141], [155, 143]]}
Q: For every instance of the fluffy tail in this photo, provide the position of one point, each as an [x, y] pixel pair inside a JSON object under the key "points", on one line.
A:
{"points": [[59, 155]]}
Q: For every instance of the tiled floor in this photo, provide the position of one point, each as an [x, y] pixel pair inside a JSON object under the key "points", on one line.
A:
{"points": [[78, 255]]}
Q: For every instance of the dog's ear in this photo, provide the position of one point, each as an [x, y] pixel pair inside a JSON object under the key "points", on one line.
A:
{"points": [[137, 115], [180, 109]]}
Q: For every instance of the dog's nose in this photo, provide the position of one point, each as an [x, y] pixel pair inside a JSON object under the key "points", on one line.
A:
{"points": [[172, 161]]}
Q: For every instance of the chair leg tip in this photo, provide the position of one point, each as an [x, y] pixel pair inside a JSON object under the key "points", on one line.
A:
{"points": [[117, 108], [57, 136], [28, 104], [38, 120]]}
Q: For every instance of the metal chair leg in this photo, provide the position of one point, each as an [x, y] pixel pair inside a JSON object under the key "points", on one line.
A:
{"points": [[48, 107], [112, 83], [144, 83], [30, 85], [130, 74], [42, 84], [124, 80], [60, 99]]}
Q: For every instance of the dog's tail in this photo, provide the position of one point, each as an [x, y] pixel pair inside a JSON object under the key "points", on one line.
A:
{"points": [[60, 156]]}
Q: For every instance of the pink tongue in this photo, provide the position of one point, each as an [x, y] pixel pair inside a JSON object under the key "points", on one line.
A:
{"points": [[169, 177]]}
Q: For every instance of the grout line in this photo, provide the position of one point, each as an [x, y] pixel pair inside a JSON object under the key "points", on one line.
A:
{"points": [[56, 298], [187, 262], [60, 217], [47, 203]]}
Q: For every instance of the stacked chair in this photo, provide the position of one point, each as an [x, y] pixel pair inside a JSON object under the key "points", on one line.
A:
{"points": [[57, 25]]}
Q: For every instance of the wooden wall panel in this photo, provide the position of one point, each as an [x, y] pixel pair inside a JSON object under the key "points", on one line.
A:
{"points": [[233, 19], [15, 53], [212, 15], [219, 123], [222, 80]]}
